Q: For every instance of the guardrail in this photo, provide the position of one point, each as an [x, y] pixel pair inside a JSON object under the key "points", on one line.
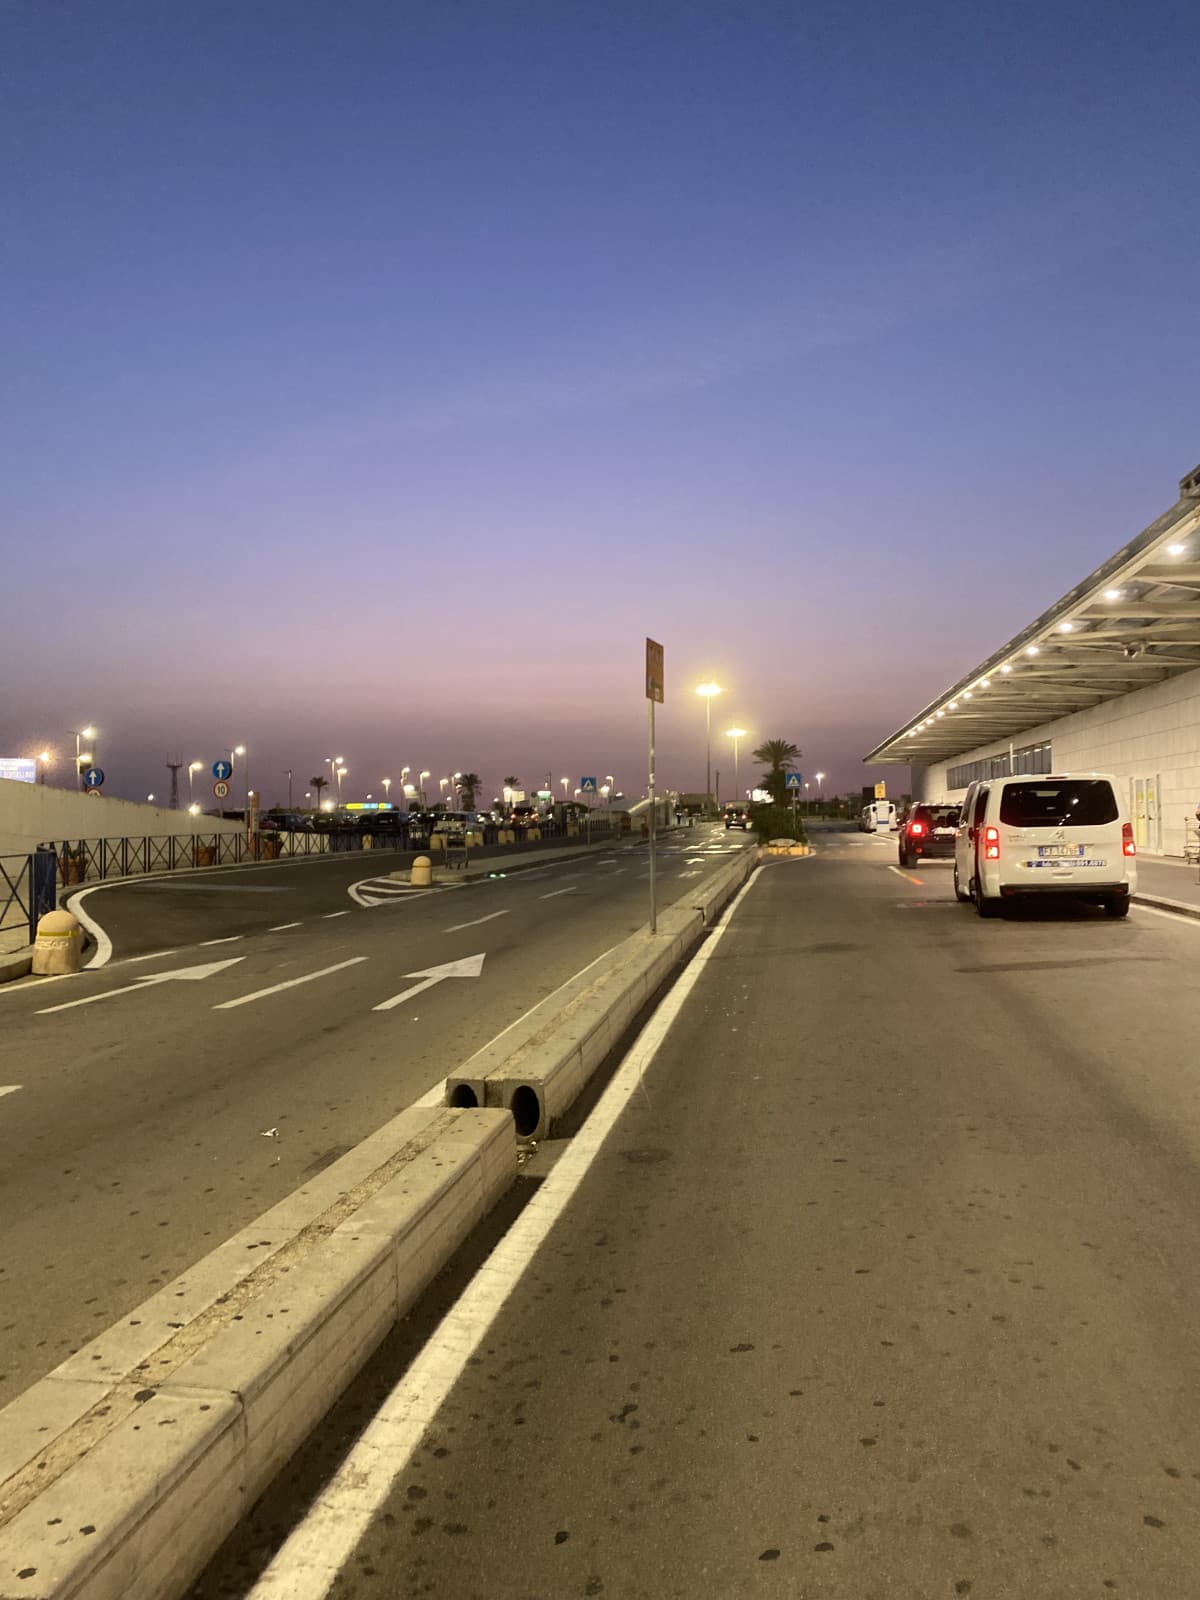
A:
{"points": [[27, 890], [81, 861]]}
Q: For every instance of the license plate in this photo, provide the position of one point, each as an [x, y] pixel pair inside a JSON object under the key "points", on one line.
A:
{"points": [[1060, 862], [1060, 852], [943, 833]]}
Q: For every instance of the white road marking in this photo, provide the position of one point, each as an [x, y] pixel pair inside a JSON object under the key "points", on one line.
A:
{"points": [[468, 967], [458, 926], [308, 1564], [103, 943], [11, 1088], [907, 876], [292, 983], [682, 874], [433, 1097], [329, 915], [191, 974], [554, 893], [1160, 911], [280, 926], [231, 939], [154, 955]]}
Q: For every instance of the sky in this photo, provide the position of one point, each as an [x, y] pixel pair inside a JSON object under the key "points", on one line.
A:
{"points": [[377, 377]]}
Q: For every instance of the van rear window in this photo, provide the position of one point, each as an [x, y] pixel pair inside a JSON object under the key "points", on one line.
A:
{"points": [[1058, 803]]}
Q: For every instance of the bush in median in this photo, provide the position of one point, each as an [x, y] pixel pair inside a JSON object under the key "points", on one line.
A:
{"points": [[777, 822]]}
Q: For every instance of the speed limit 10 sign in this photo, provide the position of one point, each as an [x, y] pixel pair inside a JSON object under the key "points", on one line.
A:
{"points": [[221, 789]]}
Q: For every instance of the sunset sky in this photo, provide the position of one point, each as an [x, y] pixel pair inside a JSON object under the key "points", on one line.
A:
{"points": [[378, 375]]}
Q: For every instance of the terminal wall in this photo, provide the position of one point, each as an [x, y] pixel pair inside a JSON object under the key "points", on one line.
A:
{"points": [[35, 813], [1153, 733]]}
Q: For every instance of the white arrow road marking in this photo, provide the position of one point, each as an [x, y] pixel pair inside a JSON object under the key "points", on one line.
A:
{"points": [[191, 974], [292, 983], [458, 926], [9, 1088], [468, 967], [554, 893]]}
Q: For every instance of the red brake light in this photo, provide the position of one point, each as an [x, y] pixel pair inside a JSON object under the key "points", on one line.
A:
{"points": [[991, 844], [916, 827], [1127, 844]]}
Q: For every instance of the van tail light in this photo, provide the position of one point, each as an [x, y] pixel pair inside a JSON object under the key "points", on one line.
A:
{"points": [[1127, 845], [915, 828], [991, 844]]}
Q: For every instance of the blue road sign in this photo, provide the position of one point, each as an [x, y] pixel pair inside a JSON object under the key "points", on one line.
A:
{"points": [[222, 770], [588, 785], [93, 778], [793, 780]]}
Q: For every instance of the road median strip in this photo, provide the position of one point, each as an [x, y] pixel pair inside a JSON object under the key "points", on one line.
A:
{"points": [[124, 1469]]}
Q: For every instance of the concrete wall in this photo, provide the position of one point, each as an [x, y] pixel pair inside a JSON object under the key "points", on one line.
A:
{"points": [[1152, 733], [33, 813]]}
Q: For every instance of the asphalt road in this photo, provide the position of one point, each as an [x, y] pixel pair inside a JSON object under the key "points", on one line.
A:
{"points": [[136, 1101], [882, 1285]]}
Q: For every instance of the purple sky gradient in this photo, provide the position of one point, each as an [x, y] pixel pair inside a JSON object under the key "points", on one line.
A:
{"points": [[377, 377]]}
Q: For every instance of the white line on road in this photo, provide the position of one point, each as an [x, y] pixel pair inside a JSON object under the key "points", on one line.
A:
{"points": [[329, 915], [1160, 911], [230, 939], [150, 981], [907, 876], [292, 983], [308, 1564], [155, 955], [11, 1088], [280, 926], [554, 893], [458, 926], [103, 942]]}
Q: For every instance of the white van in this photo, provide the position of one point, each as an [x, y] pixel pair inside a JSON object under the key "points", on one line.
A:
{"points": [[1034, 835], [877, 815]]}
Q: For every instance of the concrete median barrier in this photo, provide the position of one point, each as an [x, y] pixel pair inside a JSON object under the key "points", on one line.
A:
{"points": [[122, 1472], [537, 1069]]}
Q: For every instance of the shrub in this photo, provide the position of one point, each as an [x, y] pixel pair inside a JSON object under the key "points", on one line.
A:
{"points": [[776, 822]]}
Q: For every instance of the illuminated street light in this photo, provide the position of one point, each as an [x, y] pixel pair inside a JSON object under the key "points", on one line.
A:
{"points": [[566, 783], [820, 776], [707, 691], [341, 773], [193, 768], [81, 733], [387, 789], [421, 783]]}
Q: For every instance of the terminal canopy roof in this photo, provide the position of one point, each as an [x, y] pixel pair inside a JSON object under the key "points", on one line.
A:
{"points": [[1135, 621]]}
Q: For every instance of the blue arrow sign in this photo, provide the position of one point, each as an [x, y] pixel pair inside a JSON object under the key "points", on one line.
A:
{"points": [[793, 780], [93, 778], [588, 785], [222, 770]]}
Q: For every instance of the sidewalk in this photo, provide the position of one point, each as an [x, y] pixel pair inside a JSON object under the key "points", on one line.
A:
{"points": [[1166, 881]]}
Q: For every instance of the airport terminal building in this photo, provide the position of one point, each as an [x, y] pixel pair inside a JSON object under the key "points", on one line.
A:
{"points": [[1107, 680]]}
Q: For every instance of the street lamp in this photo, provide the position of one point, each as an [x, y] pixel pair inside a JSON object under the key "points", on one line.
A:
{"points": [[735, 734], [820, 777], [442, 782], [387, 789], [193, 768], [421, 783], [150, 799], [708, 690], [566, 783], [82, 733], [341, 773], [44, 759]]}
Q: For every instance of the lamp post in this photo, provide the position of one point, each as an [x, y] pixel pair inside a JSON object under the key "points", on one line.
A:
{"points": [[289, 779], [341, 773], [421, 785], [707, 691], [387, 789], [82, 733], [43, 763], [820, 777], [736, 734], [240, 750], [193, 768], [566, 783]]}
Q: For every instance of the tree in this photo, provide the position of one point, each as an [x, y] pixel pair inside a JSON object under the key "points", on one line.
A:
{"points": [[468, 784], [318, 784], [512, 783], [778, 755]]}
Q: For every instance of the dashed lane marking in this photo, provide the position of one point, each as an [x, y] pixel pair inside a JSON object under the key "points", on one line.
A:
{"points": [[328, 916], [229, 939], [458, 926], [554, 893], [281, 926], [907, 876], [292, 983]]}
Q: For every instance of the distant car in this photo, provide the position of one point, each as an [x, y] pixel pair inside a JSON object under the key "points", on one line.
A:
{"points": [[928, 831], [737, 816]]}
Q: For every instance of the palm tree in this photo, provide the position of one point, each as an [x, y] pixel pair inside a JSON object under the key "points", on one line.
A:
{"points": [[512, 783], [318, 784], [779, 755], [468, 783]]}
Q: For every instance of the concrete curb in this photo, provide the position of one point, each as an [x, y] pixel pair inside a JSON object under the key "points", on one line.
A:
{"points": [[122, 1472], [537, 1069], [1182, 907], [17, 964]]}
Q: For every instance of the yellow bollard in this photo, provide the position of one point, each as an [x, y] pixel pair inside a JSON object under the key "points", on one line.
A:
{"points": [[422, 873], [58, 947], [437, 841]]}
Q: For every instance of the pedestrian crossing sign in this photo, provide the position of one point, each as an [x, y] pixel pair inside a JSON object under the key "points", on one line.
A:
{"points": [[587, 785], [793, 780]]}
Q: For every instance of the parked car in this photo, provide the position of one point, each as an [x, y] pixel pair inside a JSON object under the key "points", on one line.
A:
{"points": [[876, 816], [928, 831], [737, 816], [1034, 836]]}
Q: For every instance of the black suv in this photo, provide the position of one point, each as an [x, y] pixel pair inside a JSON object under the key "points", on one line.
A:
{"points": [[736, 816], [928, 831]]}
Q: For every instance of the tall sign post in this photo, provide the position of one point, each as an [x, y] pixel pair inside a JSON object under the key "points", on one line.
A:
{"points": [[654, 696]]}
